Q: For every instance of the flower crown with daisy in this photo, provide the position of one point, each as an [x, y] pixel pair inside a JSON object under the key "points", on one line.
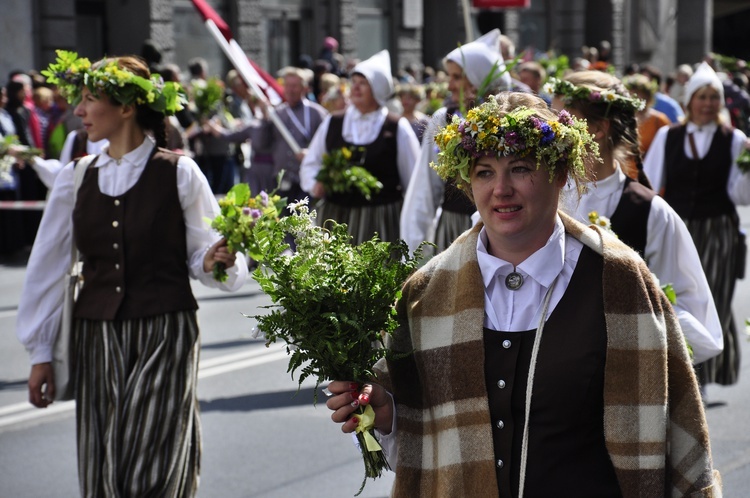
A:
{"points": [[570, 92], [71, 73], [559, 145]]}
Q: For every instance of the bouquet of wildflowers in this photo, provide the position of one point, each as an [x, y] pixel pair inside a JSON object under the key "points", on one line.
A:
{"points": [[23, 153], [340, 175], [333, 303], [246, 222]]}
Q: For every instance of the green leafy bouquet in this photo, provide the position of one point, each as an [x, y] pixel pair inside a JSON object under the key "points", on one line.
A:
{"points": [[333, 303], [246, 222], [339, 175], [743, 161], [207, 96], [7, 161]]}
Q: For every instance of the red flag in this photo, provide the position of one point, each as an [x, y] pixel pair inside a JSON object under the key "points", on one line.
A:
{"points": [[207, 12]]}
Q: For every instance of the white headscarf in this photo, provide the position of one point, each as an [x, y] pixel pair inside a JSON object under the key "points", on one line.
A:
{"points": [[477, 59], [703, 76], [377, 71]]}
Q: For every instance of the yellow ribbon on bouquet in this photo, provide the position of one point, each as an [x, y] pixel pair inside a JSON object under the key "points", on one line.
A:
{"points": [[367, 422]]}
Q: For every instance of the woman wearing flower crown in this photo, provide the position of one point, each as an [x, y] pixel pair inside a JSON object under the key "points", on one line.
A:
{"points": [[638, 216], [382, 143], [138, 222], [518, 343], [475, 70], [694, 166]]}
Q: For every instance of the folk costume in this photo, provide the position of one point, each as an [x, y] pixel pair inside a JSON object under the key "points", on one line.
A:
{"points": [[382, 143], [434, 210], [139, 225], [695, 168], [455, 406], [645, 222]]}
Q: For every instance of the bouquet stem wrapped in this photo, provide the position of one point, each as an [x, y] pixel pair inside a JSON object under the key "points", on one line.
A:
{"points": [[333, 303]]}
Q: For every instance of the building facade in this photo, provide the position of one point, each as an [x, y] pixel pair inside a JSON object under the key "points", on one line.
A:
{"points": [[276, 33]]}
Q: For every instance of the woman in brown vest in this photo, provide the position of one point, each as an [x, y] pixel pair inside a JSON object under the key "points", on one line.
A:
{"points": [[138, 222], [638, 216], [694, 166], [534, 356]]}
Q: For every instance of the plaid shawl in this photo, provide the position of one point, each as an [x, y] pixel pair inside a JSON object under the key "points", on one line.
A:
{"points": [[654, 423]]}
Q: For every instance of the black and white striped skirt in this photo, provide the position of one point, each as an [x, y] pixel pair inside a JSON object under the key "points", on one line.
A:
{"points": [[716, 240], [450, 225], [136, 406], [364, 221]]}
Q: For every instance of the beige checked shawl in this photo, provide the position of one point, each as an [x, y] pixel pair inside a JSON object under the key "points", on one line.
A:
{"points": [[654, 424]]}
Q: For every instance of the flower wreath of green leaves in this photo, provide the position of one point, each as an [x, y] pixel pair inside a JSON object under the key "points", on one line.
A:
{"points": [[570, 92]]}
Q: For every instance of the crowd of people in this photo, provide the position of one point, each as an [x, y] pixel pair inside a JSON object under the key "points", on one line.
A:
{"points": [[500, 165]]}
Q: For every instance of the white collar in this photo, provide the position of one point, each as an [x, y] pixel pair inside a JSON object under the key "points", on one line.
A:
{"points": [[694, 128], [602, 189], [542, 266], [354, 113], [136, 157]]}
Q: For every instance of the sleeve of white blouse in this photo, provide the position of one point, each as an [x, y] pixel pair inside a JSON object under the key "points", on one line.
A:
{"points": [[40, 306], [388, 441], [653, 163], [199, 207], [408, 151], [672, 256], [738, 185], [313, 160], [47, 170], [425, 191]]}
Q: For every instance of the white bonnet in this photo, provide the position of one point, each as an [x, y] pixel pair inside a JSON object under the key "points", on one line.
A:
{"points": [[377, 71], [703, 76], [477, 59]]}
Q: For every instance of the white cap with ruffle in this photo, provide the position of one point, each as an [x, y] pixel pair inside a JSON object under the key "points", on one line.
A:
{"points": [[703, 76], [377, 71], [477, 59]]}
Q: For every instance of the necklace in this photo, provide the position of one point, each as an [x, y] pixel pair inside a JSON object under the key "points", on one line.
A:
{"points": [[514, 280]]}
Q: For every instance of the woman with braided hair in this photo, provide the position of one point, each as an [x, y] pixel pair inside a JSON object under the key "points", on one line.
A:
{"points": [[138, 223], [638, 216]]}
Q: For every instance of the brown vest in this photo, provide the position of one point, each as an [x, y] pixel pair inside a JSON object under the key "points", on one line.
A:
{"points": [[567, 453], [379, 158], [697, 188], [133, 246]]}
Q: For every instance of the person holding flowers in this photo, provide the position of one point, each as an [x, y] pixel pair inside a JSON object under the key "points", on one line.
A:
{"points": [[695, 167], [639, 217], [512, 366], [433, 210], [383, 144], [138, 222]]}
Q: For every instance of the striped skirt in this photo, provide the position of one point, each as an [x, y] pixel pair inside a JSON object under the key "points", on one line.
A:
{"points": [[716, 240], [364, 221], [450, 225], [136, 406]]}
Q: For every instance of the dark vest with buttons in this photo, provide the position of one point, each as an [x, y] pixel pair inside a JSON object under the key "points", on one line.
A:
{"points": [[454, 200], [630, 219], [566, 448], [697, 188], [133, 246], [379, 158]]}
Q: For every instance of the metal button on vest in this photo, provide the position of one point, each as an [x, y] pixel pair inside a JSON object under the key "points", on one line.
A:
{"points": [[500, 424], [501, 384], [500, 464], [115, 246], [115, 224], [506, 343], [117, 202], [118, 289], [117, 266]]}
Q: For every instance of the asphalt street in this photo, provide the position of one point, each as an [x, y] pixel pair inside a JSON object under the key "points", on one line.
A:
{"points": [[262, 437]]}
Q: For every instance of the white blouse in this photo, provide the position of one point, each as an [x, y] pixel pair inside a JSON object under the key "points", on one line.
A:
{"points": [[669, 253], [40, 307], [360, 129], [738, 184]]}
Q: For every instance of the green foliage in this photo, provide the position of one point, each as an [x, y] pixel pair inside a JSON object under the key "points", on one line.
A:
{"points": [[339, 175], [7, 161], [555, 66], [331, 300], [208, 96], [743, 161]]}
